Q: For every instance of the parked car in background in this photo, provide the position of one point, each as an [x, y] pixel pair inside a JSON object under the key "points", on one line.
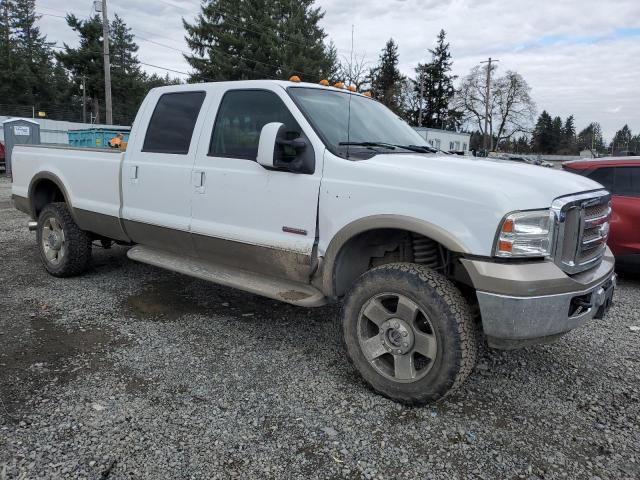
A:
{"points": [[530, 159], [621, 176], [2, 157]]}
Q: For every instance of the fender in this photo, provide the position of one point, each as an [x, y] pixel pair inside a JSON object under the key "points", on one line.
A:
{"points": [[53, 178], [374, 222]]}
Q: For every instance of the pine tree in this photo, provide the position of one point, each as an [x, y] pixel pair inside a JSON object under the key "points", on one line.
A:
{"points": [[32, 57], [86, 60], [522, 145], [253, 39], [386, 79], [434, 82], [127, 79], [556, 135], [7, 52], [129, 84], [542, 137], [590, 138], [634, 145], [568, 144], [621, 141]]}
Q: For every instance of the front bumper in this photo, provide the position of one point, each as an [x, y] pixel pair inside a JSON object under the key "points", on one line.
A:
{"points": [[532, 303], [511, 322]]}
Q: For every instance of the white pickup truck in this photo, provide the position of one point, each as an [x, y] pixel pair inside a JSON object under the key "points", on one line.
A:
{"points": [[311, 194]]}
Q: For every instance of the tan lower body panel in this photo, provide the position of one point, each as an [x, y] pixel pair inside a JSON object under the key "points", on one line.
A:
{"points": [[279, 289], [269, 261], [100, 224]]}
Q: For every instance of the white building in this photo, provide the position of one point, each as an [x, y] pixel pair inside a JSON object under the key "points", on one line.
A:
{"points": [[445, 139]]}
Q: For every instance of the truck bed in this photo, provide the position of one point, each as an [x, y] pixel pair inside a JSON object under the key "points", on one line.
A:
{"points": [[90, 177]]}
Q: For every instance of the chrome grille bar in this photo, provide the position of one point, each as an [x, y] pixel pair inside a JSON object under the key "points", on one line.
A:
{"points": [[582, 226]]}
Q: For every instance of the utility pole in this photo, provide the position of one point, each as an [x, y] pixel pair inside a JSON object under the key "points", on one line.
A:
{"points": [[84, 99], [421, 97], [487, 141], [351, 58], [107, 64]]}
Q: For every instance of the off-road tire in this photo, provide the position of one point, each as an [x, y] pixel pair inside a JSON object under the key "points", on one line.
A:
{"points": [[449, 315], [77, 255]]}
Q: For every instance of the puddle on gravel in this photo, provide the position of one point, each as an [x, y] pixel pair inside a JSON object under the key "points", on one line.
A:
{"points": [[162, 301], [39, 352]]}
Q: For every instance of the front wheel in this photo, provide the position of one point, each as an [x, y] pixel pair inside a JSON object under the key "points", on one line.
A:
{"points": [[64, 248], [409, 332]]}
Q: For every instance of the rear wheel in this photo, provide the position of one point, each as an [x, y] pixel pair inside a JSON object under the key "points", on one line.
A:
{"points": [[409, 332], [64, 248]]}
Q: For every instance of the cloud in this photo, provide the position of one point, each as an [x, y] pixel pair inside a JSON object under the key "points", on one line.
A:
{"points": [[579, 56]]}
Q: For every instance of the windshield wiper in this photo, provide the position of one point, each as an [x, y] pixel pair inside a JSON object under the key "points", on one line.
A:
{"points": [[393, 146], [419, 148], [369, 144]]}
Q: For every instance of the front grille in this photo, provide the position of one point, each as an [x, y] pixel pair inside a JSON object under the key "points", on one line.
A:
{"points": [[583, 227]]}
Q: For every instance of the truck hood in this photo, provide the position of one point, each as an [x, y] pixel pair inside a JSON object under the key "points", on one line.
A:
{"points": [[515, 186]]}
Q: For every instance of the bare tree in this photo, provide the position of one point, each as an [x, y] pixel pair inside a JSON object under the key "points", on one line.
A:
{"points": [[410, 101], [511, 108], [471, 99], [354, 72], [515, 108]]}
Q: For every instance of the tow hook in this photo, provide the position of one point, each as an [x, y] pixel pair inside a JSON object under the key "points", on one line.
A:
{"points": [[33, 226]]}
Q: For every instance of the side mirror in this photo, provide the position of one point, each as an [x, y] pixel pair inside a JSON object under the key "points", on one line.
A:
{"points": [[275, 151], [267, 143]]}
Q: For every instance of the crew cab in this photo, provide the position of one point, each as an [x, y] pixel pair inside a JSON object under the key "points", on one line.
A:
{"points": [[312, 194], [621, 176]]}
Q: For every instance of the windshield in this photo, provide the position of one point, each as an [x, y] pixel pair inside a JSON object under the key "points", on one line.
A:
{"points": [[328, 112]]}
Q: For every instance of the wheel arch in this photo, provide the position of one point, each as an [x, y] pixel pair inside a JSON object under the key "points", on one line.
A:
{"points": [[340, 269], [45, 188]]}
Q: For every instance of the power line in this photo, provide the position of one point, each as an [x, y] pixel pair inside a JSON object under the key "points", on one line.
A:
{"points": [[164, 68], [180, 7], [217, 49], [50, 15]]}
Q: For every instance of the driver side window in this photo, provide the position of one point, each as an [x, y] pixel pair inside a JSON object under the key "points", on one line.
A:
{"points": [[240, 119]]}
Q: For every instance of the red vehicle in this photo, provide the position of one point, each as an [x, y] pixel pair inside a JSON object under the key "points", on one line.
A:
{"points": [[621, 176], [2, 160]]}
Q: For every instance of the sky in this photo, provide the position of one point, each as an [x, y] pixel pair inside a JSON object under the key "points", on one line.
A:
{"points": [[580, 57]]}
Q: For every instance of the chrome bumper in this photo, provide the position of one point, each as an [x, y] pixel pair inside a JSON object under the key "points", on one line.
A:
{"points": [[511, 322]]}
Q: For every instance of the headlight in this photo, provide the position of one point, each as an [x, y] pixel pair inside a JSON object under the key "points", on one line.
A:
{"points": [[525, 234]]}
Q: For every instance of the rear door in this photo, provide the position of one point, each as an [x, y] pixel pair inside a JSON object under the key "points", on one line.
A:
{"points": [[244, 215], [156, 176]]}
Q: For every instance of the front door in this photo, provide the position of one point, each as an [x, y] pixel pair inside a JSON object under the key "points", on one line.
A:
{"points": [[244, 215]]}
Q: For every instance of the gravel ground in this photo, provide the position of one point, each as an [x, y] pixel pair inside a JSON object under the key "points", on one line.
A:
{"points": [[133, 372]]}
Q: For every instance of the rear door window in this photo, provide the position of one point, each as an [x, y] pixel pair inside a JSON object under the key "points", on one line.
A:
{"points": [[240, 119], [171, 126], [627, 181], [603, 176]]}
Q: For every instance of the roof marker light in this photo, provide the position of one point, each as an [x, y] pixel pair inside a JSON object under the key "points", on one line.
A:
{"points": [[324, 82], [294, 78]]}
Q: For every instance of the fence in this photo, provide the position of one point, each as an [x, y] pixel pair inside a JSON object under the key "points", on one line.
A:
{"points": [[68, 113]]}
